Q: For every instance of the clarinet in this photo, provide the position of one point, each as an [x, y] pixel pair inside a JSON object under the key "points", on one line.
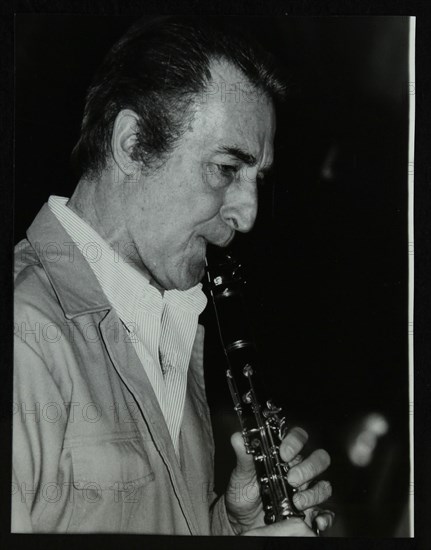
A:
{"points": [[263, 427]]}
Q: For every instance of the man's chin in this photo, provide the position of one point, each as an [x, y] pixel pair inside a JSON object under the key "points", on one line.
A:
{"points": [[193, 276]]}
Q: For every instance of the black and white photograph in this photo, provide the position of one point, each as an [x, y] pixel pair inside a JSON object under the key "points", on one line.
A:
{"points": [[213, 275]]}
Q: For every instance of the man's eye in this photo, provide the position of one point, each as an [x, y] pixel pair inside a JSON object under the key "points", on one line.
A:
{"points": [[221, 175], [227, 170]]}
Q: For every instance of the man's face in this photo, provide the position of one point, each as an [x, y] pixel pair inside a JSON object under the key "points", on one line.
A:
{"points": [[206, 190]]}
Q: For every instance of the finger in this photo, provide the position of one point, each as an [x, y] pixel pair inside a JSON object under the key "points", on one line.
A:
{"points": [[244, 461], [309, 468], [314, 496], [293, 443], [318, 519], [297, 460], [325, 520], [303, 486], [322, 519]]}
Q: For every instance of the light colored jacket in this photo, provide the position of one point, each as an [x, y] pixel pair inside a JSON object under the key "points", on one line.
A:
{"points": [[91, 450]]}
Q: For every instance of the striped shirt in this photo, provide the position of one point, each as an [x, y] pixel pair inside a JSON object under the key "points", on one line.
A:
{"points": [[161, 327]]}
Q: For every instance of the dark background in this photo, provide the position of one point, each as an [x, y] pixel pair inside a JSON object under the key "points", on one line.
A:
{"points": [[327, 261]]}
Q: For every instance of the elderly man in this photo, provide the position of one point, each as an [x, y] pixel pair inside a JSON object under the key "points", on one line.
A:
{"points": [[111, 426]]}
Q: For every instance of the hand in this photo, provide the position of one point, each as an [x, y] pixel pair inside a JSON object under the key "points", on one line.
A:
{"points": [[243, 503]]}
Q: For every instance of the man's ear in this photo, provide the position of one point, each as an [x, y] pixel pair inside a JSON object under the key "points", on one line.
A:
{"points": [[123, 140]]}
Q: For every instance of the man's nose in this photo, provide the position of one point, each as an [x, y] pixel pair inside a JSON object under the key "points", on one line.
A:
{"points": [[240, 206]]}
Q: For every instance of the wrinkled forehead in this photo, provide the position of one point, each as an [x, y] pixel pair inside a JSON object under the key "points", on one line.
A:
{"points": [[233, 112]]}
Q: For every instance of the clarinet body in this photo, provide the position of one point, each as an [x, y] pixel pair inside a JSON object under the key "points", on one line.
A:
{"points": [[262, 423]]}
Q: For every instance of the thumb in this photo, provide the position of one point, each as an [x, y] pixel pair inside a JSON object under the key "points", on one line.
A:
{"points": [[244, 461]]}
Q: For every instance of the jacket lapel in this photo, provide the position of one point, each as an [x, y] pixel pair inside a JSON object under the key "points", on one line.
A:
{"points": [[130, 370]]}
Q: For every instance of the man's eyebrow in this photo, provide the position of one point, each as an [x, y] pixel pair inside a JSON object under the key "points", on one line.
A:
{"points": [[243, 156]]}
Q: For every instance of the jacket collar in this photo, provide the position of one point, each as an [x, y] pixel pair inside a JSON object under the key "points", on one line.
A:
{"points": [[73, 280]]}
